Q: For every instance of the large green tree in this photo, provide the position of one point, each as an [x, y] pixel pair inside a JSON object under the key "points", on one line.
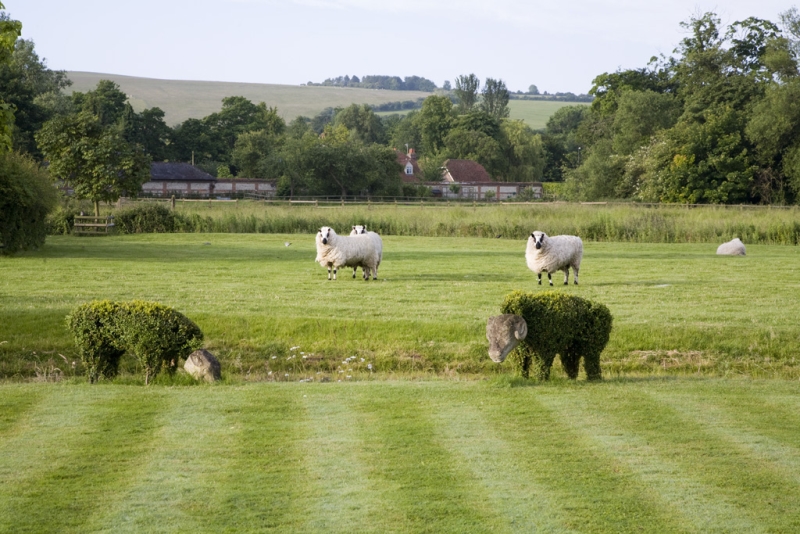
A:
{"points": [[94, 160], [27, 195], [9, 32], [28, 85], [495, 97], [466, 91]]}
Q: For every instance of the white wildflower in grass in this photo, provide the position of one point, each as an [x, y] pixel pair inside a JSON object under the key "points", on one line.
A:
{"points": [[349, 377], [269, 374], [362, 359], [369, 366], [274, 357], [294, 348], [304, 357]]}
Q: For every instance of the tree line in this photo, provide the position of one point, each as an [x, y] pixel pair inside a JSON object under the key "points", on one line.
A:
{"points": [[717, 122], [392, 83]]}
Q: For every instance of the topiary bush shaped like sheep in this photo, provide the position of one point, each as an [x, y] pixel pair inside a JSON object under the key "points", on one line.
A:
{"points": [[559, 324], [155, 334]]}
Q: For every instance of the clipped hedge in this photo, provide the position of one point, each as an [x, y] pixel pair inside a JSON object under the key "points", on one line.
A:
{"points": [[155, 334], [559, 324]]}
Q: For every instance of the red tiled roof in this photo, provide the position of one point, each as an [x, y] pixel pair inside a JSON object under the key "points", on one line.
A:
{"points": [[403, 159], [466, 171]]}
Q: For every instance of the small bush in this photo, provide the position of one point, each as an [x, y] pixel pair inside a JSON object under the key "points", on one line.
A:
{"points": [[147, 219], [559, 324], [155, 334]]}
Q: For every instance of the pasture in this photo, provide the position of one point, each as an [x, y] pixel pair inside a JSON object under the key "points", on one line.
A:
{"points": [[192, 99], [373, 406], [676, 307]]}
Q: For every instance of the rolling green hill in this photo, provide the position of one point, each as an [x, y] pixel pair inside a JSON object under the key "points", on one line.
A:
{"points": [[184, 99]]}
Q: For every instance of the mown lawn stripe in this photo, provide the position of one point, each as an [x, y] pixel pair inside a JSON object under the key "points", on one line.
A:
{"points": [[178, 486], [514, 491], [267, 485], [592, 489], [697, 506], [16, 403], [718, 487], [342, 498], [95, 437], [733, 427], [425, 488]]}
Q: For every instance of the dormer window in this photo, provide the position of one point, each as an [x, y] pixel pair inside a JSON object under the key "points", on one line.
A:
{"points": [[409, 169]]}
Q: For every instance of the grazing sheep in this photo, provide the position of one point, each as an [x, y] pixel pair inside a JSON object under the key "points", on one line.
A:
{"points": [[735, 247], [361, 229], [335, 251], [558, 253], [554, 324]]}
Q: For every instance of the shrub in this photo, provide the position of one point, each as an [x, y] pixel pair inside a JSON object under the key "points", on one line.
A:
{"points": [[147, 219], [559, 324], [27, 195], [155, 334]]}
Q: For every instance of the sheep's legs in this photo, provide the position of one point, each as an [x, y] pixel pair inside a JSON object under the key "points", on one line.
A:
{"points": [[566, 276], [550, 278], [576, 275], [329, 273], [355, 269], [539, 276]]}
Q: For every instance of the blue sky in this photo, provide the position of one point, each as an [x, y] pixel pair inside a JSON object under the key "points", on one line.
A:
{"points": [[559, 46]]}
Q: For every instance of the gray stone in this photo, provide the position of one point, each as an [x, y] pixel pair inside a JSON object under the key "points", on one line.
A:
{"points": [[504, 333], [202, 365]]}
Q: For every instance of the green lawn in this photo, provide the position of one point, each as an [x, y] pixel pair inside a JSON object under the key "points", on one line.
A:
{"points": [[652, 455], [678, 308]]}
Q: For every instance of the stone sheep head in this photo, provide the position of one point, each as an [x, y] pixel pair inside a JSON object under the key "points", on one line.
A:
{"points": [[504, 333]]}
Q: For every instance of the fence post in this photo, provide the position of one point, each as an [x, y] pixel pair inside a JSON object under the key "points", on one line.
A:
{"points": [[173, 202]]}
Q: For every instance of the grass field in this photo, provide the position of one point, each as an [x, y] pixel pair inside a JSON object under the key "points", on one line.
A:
{"points": [[535, 113], [678, 308], [184, 99], [661, 456]]}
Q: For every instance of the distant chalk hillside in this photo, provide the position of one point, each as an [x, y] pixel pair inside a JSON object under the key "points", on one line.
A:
{"points": [[182, 99]]}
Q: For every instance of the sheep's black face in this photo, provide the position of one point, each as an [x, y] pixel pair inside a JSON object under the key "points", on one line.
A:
{"points": [[325, 234], [538, 238]]}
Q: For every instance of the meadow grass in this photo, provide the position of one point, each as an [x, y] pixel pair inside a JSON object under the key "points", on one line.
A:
{"points": [[618, 223], [536, 113], [269, 313], [654, 455]]}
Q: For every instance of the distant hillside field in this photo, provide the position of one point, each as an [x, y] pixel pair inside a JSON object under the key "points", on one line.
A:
{"points": [[183, 99], [536, 112]]}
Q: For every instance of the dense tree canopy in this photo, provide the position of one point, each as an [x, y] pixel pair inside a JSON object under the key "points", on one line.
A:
{"points": [[718, 122], [94, 160]]}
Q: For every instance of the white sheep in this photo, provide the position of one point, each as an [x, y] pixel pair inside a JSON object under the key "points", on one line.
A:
{"points": [[335, 251], [361, 229], [735, 247], [557, 253]]}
